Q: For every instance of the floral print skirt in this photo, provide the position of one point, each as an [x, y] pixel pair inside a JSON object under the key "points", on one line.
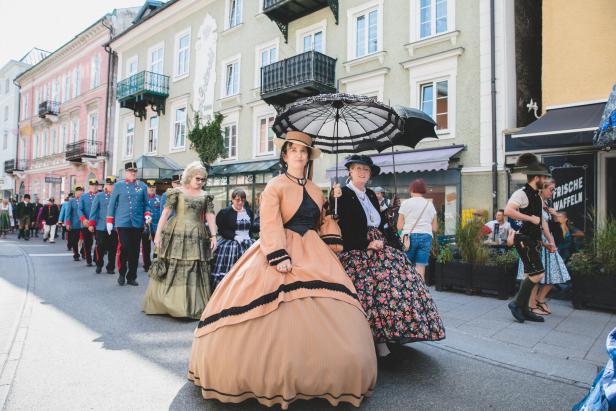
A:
{"points": [[395, 298]]}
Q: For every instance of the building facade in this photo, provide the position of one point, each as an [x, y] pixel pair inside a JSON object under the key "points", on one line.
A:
{"points": [[9, 112], [248, 59], [63, 114], [577, 76]]}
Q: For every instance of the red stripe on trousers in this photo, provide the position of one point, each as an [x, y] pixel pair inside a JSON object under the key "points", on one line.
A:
{"points": [[119, 252]]}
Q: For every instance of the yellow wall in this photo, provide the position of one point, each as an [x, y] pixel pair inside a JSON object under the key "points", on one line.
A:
{"points": [[579, 50]]}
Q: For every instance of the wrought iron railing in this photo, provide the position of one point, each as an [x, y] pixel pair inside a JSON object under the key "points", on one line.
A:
{"points": [[9, 166], [22, 164], [48, 107], [310, 66], [83, 148], [143, 82]]}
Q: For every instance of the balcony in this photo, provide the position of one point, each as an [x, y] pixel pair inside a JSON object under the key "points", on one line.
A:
{"points": [[49, 108], [144, 89], [304, 75], [84, 149], [9, 166], [282, 12], [21, 164]]}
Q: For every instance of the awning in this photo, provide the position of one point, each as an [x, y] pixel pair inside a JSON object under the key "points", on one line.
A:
{"points": [[156, 167], [559, 127], [430, 159], [251, 167]]}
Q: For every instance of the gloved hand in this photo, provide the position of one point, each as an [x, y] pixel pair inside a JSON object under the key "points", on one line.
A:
{"points": [[109, 228]]}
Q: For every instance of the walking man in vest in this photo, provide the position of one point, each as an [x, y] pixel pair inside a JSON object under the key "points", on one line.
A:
{"points": [[106, 243], [127, 210], [526, 206]]}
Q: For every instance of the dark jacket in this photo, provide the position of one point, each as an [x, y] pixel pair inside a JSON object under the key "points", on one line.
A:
{"points": [[352, 219], [226, 221], [50, 214], [24, 210]]}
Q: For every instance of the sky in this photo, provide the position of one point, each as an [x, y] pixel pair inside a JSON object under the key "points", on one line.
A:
{"points": [[48, 24]]}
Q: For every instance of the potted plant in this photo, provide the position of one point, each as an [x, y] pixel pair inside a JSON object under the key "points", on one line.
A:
{"points": [[497, 274], [451, 273], [593, 270]]}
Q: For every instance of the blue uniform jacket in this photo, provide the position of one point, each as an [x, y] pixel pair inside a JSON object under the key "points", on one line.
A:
{"points": [[98, 212], [155, 209], [128, 204], [85, 204], [163, 201], [63, 211], [71, 215]]}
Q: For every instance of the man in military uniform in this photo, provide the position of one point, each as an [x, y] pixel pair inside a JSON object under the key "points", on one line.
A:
{"points": [[175, 183], [106, 243], [85, 205], [149, 231], [25, 213], [128, 207], [73, 223]]}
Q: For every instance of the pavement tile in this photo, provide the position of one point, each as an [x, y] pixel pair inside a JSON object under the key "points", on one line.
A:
{"points": [[488, 324], [452, 322], [476, 331], [558, 351], [588, 327], [571, 341], [527, 334]]}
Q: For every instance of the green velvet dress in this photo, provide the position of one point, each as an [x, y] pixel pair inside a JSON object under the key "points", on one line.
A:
{"points": [[179, 276]]}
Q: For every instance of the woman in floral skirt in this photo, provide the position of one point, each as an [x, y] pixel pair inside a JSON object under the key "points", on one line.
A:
{"points": [[399, 306]]}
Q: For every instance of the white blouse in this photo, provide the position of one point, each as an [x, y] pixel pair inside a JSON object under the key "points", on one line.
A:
{"points": [[373, 217]]}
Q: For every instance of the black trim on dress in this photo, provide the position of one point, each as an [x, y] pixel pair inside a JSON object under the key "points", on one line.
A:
{"points": [[278, 256], [271, 297]]}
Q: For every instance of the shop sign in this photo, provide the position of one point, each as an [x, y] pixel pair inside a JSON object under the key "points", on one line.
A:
{"points": [[53, 180], [570, 192]]}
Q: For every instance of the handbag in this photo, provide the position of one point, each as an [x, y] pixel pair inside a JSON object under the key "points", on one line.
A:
{"points": [[406, 238], [331, 234]]}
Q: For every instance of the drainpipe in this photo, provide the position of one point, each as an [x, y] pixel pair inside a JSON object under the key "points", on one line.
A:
{"points": [[107, 102], [17, 140], [493, 106]]}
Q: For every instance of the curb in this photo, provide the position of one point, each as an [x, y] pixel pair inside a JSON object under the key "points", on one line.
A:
{"points": [[9, 368]]}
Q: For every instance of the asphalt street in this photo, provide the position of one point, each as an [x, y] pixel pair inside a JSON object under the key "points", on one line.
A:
{"points": [[75, 340]]}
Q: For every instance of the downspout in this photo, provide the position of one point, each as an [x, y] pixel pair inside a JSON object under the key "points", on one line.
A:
{"points": [[107, 102], [493, 106], [18, 134]]}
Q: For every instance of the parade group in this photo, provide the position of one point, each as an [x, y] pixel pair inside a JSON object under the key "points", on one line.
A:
{"points": [[324, 297]]}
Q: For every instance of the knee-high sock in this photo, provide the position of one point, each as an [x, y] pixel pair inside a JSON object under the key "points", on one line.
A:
{"points": [[523, 296]]}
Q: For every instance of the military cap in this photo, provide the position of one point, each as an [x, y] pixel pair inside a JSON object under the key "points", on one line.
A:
{"points": [[110, 180], [150, 183], [93, 182], [131, 165]]}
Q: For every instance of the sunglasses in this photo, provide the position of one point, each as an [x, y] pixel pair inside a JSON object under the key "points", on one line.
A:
{"points": [[200, 179]]}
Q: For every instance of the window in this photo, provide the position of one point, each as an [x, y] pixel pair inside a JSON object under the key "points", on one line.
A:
{"points": [[232, 79], [95, 71], [182, 54], [157, 56], [234, 13], [54, 141], [366, 33], [152, 140], [266, 55], [66, 91], [7, 86], [5, 140], [64, 137], [313, 41], [129, 139], [75, 130], [92, 127], [77, 83], [25, 113], [179, 128], [435, 104], [131, 66], [265, 143], [6, 113], [432, 17], [230, 140], [45, 146]]}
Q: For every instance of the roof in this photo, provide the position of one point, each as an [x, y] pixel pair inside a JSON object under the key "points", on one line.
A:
{"points": [[144, 17], [564, 126], [34, 56], [249, 167], [429, 159]]}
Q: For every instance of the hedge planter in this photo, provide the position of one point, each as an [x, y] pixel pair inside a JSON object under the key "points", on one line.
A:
{"points": [[594, 290], [453, 276], [430, 272], [499, 280]]}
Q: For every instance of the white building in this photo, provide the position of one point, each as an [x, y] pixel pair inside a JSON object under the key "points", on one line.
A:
{"points": [[9, 115]]}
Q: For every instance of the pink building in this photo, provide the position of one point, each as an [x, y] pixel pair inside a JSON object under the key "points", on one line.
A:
{"points": [[63, 114]]}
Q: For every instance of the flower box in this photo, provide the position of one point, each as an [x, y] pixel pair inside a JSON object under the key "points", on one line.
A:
{"points": [[453, 276], [494, 279], [594, 290]]}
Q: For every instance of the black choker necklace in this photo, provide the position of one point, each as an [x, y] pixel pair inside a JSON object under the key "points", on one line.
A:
{"points": [[300, 181]]}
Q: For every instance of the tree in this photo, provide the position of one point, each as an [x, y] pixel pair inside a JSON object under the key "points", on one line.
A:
{"points": [[207, 139]]}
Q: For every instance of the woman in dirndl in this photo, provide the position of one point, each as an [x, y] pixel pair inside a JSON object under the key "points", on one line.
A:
{"points": [[6, 217], [396, 299], [285, 323], [235, 224]]}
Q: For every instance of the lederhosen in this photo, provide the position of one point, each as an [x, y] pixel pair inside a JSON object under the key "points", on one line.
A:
{"points": [[528, 240]]}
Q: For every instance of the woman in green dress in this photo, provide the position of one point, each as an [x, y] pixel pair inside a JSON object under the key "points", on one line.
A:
{"points": [[179, 284]]}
